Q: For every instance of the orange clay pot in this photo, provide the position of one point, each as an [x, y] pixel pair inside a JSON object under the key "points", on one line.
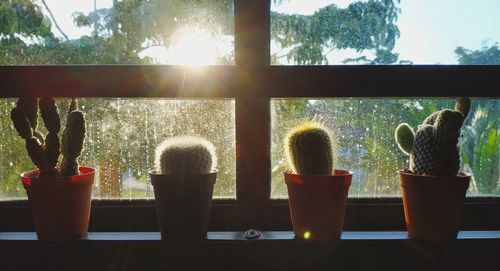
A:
{"points": [[433, 204], [60, 206], [183, 204], [317, 204]]}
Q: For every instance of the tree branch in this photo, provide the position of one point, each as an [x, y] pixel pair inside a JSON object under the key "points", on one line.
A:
{"points": [[54, 20]]}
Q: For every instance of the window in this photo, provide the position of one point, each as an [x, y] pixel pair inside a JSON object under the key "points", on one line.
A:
{"points": [[364, 131], [252, 87], [120, 143], [384, 32], [117, 32]]}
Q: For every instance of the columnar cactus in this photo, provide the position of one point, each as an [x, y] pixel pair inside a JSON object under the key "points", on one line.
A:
{"points": [[44, 152], [185, 155], [311, 150], [433, 149]]}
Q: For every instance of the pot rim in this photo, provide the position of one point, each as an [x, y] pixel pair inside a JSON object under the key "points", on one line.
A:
{"points": [[338, 172], [461, 174], [343, 177], [87, 173]]}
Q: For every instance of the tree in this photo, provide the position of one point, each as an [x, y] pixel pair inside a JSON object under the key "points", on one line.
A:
{"points": [[480, 148], [131, 26], [484, 56], [480, 140], [361, 26]]}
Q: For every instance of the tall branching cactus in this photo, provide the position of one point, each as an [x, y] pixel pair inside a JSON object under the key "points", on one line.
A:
{"points": [[311, 150], [186, 155], [45, 152], [433, 149]]}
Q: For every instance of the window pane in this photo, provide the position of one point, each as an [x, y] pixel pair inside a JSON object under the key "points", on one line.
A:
{"points": [[121, 138], [385, 32], [191, 32], [364, 129]]}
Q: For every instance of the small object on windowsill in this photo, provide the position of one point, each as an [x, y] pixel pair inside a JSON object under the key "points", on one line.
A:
{"points": [[252, 234]]}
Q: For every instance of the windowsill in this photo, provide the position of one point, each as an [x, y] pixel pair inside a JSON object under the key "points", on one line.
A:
{"points": [[276, 250]]}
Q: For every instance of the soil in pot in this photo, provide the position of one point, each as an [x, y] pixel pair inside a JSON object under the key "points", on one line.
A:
{"points": [[60, 206], [183, 204], [433, 204], [317, 204]]}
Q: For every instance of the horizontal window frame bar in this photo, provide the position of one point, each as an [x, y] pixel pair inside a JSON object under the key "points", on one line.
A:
{"points": [[162, 81], [229, 215]]}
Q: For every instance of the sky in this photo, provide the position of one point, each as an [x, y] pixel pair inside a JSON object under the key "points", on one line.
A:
{"points": [[430, 29]]}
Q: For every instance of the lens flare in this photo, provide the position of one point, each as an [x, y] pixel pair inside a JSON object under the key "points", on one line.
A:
{"points": [[192, 47]]}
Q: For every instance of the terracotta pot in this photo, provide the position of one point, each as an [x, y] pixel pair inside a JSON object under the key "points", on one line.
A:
{"points": [[60, 206], [317, 204], [183, 204], [433, 204]]}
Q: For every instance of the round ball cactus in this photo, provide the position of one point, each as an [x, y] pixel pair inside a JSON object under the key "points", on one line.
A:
{"points": [[185, 155], [310, 149]]}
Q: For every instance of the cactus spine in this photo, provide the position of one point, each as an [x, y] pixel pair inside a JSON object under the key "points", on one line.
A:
{"points": [[45, 152], [310, 150], [433, 149], [185, 155]]}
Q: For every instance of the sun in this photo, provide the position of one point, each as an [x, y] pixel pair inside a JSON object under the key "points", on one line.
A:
{"points": [[191, 46]]}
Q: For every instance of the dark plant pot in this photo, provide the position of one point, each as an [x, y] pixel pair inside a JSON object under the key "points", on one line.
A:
{"points": [[433, 204], [183, 204], [317, 204], [60, 206]]}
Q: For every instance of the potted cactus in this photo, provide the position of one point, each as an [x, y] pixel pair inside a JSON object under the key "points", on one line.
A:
{"points": [[183, 184], [59, 192], [433, 188], [317, 192]]}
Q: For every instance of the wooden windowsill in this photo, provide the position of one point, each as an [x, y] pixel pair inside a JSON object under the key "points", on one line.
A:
{"points": [[275, 250]]}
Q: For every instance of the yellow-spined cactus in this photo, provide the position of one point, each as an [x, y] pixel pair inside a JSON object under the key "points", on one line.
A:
{"points": [[311, 149]]}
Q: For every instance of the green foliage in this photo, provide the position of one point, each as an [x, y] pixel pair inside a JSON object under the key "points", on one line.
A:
{"points": [[46, 155], [484, 56], [434, 150], [22, 17], [121, 32], [310, 150], [186, 155], [480, 150], [361, 26]]}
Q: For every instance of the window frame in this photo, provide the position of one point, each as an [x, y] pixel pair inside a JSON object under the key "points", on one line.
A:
{"points": [[252, 82]]}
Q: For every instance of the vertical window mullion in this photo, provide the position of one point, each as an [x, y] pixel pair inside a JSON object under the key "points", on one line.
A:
{"points": [[252, 52]]}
